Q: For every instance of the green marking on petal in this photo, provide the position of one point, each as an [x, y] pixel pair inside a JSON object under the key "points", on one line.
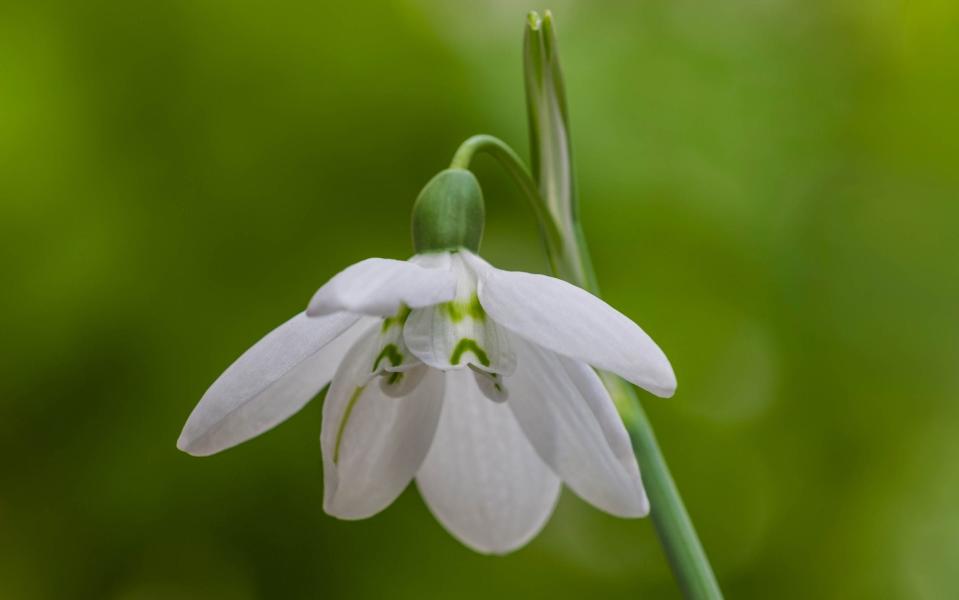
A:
{"points": [[389, 352], [475, 309], [346, 417], [398, 319], [469, 345], [457, 311], [394, 377], [452, 310]]}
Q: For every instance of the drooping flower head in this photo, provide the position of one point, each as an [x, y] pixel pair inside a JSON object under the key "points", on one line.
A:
{"points": [[477, 383]]}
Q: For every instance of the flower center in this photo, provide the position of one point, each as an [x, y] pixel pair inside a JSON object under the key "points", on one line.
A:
{"points": [[459, 334]]}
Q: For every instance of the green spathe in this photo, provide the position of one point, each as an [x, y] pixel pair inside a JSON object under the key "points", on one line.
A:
{"points": [[449, 213]]}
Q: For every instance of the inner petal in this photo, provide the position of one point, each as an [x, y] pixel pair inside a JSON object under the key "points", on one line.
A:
{"points": [[458, 334], [397, 384], [398, 369], [491, 384]]}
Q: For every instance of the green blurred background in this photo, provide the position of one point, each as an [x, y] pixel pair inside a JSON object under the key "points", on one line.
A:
{"points": [[770, 188]]}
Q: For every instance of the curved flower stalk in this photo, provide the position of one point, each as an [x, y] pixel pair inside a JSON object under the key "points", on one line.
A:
{"points": [[474, 381]]}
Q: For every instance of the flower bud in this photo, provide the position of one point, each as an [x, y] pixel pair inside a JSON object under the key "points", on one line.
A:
{"points": [[449, 213]]}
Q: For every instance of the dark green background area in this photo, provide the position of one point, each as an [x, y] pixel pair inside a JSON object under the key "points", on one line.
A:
{"points": [[769, 188]]}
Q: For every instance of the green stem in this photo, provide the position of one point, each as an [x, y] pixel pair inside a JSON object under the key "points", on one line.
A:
{"points": [[673, 525], [675, 529], [515, 166]]}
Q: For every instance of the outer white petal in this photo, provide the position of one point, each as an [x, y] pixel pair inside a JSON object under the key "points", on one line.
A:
{"points": [[433, 260], [378, 286], [270, 382], [482, 479], [567, 414], [569, 320], [373, 443]]}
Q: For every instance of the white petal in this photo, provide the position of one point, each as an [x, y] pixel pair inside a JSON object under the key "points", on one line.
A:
{"points": [[482, 479], [567, 414], [270, 382], [566, 319], [379, 286], [373, 443], [491, 384], [433, 260]]}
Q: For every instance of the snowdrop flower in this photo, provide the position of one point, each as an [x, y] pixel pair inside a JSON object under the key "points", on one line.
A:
{"points": [[476, 382]]}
